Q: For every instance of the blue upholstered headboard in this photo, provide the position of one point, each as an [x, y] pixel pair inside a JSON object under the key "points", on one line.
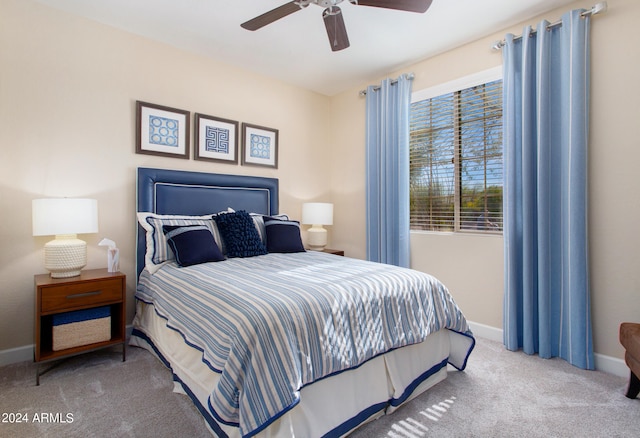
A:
{"points": [[195, 193]]}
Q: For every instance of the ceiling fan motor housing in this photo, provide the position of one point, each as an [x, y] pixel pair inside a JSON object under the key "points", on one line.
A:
{"points": [[328, 3], [323, 3]]}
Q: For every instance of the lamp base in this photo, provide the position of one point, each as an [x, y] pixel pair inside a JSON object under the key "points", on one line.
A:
{"points": [[65, 256], [317, 238]]}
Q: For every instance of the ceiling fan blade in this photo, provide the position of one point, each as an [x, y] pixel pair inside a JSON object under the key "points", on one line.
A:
{"points": [[271, 16], [402, 5], [336, 30]]}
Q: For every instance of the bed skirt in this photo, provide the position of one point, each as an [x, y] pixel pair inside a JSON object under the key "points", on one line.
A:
{"points": [[333, 406]]}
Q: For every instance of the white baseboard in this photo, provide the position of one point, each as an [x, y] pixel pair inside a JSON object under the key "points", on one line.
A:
{"points": [[25, 353], [14, 355], [611, 365], [607, 364], [486, 331], [604, 363]]}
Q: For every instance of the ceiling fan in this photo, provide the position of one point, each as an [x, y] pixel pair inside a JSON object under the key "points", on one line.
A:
{"points": [[332, 15]]}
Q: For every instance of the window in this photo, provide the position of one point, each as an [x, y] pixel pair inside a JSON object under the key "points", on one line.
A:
{"points": [[456, 156]]}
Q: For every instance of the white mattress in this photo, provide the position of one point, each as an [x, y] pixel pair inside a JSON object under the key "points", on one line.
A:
{"points": [[348, 399]]}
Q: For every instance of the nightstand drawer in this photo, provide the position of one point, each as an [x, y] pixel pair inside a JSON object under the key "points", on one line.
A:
{"points": [[72, 296]]}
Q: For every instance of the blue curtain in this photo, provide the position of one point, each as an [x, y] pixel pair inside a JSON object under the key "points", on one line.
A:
{"points": [[546, 92], [387, 170]]}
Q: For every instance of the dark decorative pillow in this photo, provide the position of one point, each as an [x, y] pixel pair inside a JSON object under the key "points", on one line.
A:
{"points": [[192, 244], [283, 235], [241, 239], [259, 223]]}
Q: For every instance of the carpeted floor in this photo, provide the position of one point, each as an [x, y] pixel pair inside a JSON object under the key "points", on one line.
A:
{"points": [[501, 394], [507, 394]]}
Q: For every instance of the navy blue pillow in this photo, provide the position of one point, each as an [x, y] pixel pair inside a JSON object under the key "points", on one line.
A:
{"points": [[241, 239], [283, 235], [192, 244]]}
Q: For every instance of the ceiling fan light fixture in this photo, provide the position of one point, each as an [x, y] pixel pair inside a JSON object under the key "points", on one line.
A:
{"points": [[336, 30]]}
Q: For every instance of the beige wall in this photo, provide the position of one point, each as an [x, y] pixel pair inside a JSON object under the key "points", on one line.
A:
{"points": [[68, 88], [472, 266], [67, 93]]}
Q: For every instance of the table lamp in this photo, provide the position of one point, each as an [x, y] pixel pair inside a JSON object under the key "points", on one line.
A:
{"points": [[66, 255], [317, 214]]}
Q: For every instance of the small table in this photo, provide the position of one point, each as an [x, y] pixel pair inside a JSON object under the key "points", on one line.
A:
{"points": [[334, 251], [92, 288]]}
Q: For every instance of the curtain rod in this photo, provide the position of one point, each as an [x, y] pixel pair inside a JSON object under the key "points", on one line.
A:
{"points": [[409, 76], [595, 9]]}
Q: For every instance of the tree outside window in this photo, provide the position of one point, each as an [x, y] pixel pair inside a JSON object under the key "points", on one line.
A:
{"points": [[456, 160]]}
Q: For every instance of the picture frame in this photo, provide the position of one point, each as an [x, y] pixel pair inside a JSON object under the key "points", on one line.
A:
{"points": [[161, 130], [259, 146], [215, 139]]}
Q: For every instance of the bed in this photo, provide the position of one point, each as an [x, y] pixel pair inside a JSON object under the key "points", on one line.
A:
{"points": [[285, 342]]}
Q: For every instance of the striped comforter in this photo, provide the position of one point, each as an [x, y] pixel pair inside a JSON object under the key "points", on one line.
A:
{"points": [[272, 324]]}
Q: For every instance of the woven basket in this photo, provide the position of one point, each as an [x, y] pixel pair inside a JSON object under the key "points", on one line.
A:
{"points": [[83, 327]]}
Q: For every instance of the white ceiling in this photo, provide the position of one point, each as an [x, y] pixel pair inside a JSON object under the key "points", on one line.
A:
{"points": [[296, 49]]}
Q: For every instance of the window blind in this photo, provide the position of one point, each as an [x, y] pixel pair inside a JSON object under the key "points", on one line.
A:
{"points": [[456, 160]]}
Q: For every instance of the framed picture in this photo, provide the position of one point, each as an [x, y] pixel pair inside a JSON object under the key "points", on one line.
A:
{"points": [[259, 145], [216, 139], [162, 130]]}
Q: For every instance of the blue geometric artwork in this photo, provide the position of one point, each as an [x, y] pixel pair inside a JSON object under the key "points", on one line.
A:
{"points": [[260, 147], [216, 140], [163, 131]]}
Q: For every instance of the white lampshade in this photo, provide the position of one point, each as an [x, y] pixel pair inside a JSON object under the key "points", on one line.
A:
{"points": [[64, 217], [317, 214]]}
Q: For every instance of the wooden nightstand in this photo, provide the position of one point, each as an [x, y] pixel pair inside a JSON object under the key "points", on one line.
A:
{"points": [[91, 289], [334, 251]]}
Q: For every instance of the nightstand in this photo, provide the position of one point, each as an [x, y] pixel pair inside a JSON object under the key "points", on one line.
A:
{"points": [[334, 251], [56, 298]]}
